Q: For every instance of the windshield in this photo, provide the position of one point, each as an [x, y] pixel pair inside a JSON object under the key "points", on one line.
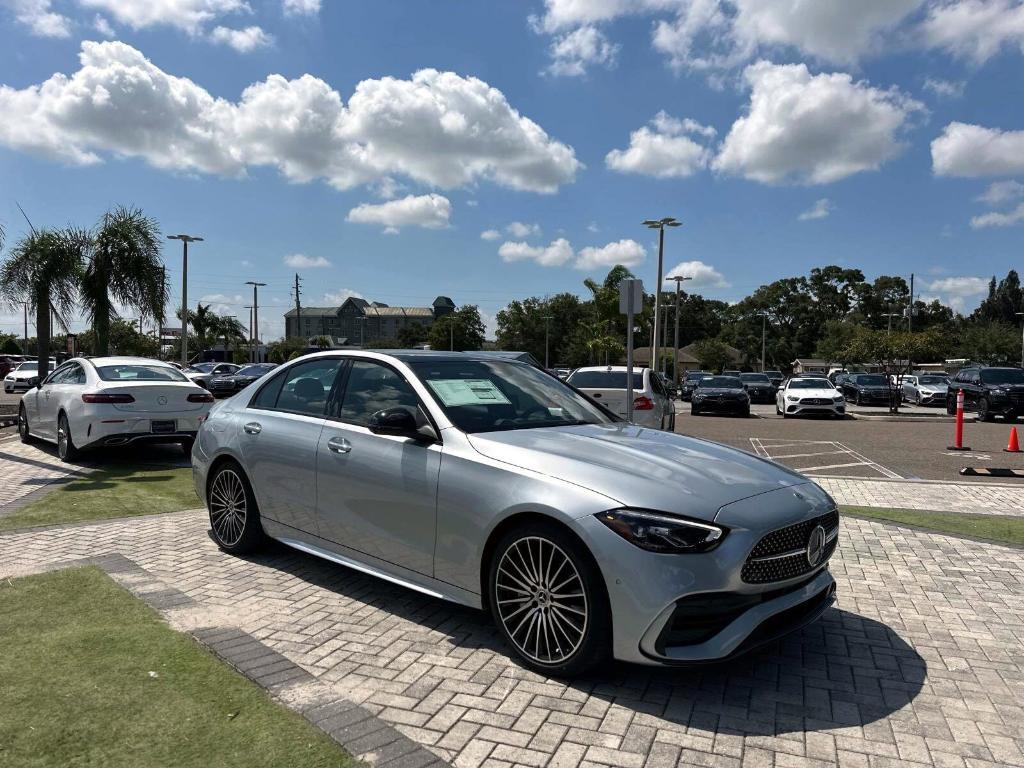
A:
{"points": [[140, 372], [201, 367], [485, 396], [723, 382], [1002, 376], [773, 374], [694, 376], [28, 367], [604, 380], [809, 384], [873, 380], [931, 380], [254, 370], [754, 378]]}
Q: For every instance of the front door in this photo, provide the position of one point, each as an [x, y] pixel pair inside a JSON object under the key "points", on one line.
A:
{"points": [[279, 437], [377, 494]]}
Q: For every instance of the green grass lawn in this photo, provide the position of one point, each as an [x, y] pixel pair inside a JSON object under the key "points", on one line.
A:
{"points": [[115, 491], [93, 677], [999, 528]]}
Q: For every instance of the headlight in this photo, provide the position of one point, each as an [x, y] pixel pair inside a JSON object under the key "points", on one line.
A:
{"points": [[998, 391], [838, 400], [792, 398], [661, 533]]}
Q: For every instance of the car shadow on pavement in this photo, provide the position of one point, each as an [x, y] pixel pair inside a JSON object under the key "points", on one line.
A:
{"points": [[843, 670]]}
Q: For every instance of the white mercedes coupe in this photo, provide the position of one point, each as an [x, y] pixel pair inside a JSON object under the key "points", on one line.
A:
{"points": [[107, 401]]}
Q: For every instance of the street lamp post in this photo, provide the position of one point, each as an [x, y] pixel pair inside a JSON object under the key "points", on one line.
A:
{"points": [[547, 337], [764, 336], [659, 225], [249, 307], [891, 315], [255, 319], [675, 364], [185, 240], [362, 330], [1021, 316]]}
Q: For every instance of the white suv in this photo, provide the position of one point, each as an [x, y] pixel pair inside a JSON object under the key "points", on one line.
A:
{"points": [[606, 384]]}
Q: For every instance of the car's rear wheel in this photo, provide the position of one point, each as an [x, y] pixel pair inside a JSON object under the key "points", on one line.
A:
{"points": [[66, 449], [548, 600], [24, 431], [234, 516]]}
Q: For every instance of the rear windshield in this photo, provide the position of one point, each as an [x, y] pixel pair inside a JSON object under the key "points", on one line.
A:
{"points": [[255, 370], [604, 380], [872, 380], [724, 382], [754, 378], [1002, 376], [139, 372]]}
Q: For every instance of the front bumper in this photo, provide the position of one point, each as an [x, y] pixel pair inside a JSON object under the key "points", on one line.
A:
{"points": [[870, 397], [645, 591], [721, 405], [932, 398], [761, 395], [821, 406], [16, 385]]}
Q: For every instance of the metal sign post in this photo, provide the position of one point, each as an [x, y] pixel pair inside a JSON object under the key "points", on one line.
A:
{"points": [[631, 298]]}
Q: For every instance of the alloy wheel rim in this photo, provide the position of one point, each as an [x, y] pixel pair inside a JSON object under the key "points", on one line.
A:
{"points": [[62, 439], [22, 422], [228, 507], [541, 600]]}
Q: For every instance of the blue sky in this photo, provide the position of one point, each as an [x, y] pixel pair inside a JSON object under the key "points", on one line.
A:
{"points": [[887, 136]]}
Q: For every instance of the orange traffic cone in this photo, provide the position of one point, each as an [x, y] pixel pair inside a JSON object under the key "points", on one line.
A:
{"points": [[1013, 446]]}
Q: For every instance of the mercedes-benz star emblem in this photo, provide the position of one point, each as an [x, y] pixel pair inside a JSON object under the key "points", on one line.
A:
{"points": [[162, 400], [816, 546]]}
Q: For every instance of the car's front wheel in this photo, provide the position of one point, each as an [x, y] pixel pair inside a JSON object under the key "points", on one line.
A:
{"points": [[984, 410], [234, 516], [548, 600]]}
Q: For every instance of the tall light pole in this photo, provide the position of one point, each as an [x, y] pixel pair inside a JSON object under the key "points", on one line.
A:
{"points": [[764, 335], [547, 338], [675, 364], [185, 240], [891, 315], [249, 307], [362, 330], [1018, 314], [659, 225], [255, 318]]}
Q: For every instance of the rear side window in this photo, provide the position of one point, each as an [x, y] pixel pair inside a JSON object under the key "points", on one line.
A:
{"points": [[604, 380], [303, 388]]}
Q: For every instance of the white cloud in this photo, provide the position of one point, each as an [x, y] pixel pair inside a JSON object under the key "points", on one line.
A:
{"points": [[813, 129], [242, 40], [999, 192], [592, 227], [702, 275], [973, 151], [556, 254], [337, 298], [101, 25], [946, 89], [820, 210], [188, 15], [628, 253], [430, 211], [301, 7], [39, 17], [302, 261], [437, 128], [664, 149], [574, 51], [957, 289], [490, 234], [521, 230], [975, 29], [222, 304], [999, 219]]}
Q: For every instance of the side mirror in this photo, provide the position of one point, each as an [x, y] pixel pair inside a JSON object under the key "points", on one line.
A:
{"points": [[399, 422], [35, 381]]}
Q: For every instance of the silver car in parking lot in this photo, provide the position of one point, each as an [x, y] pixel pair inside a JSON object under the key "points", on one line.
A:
{"points": [[492, 484]]}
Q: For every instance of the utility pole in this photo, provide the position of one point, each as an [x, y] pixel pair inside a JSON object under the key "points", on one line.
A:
{"points": [[1018, 314], [249, 307], [659, 225], [890, 315], [547, 340], [910, 307], [298, 307], [25, 303], [255, 318], [362, 330], [764, 336], [675, 358], [185, 240]]}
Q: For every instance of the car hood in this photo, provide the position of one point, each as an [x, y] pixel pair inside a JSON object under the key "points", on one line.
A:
{"points": [[22, 374], [873, 387], [829, 393], [639, 467], [719, 391]]}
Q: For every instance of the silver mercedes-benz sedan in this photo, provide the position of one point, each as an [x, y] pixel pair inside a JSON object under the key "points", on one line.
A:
{"points": [[493, 484]]}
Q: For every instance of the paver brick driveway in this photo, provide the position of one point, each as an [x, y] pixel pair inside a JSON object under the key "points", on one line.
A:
{"points": [[920, 663]]}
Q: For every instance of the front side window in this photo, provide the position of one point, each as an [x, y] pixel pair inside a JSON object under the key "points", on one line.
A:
{"points": [[495, 396], [372, 387]]}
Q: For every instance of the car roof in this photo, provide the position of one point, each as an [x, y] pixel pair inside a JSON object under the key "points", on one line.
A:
{"points": [[609, 368], [121, 360]]}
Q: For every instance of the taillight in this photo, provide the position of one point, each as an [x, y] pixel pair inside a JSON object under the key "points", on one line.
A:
{"points": [[100, 397], [643, 403], [200, 397]]}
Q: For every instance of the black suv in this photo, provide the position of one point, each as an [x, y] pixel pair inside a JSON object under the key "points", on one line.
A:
{"points": [[989, 391]]}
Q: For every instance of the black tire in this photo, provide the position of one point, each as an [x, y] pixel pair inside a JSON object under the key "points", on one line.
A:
{"points": [[694, 411], [186, 447], [672, 422], [66, 449], [746, 412], [587, 640], [950, 407], [234, 515], [984, 414], [856, 399], [24, 431]]}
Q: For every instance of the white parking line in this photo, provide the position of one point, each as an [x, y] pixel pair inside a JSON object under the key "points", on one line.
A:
{"points": [[812, 448]]}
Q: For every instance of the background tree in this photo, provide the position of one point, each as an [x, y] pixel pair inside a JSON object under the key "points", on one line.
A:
{"points": [[1005, 299], [835, 342], [989, 342], [411, 335], [713, 355], [9, 344], [522, 325], [123, 339], [284, 349], [202, 320], [123, 267], [462, 330], [44, 269], [228, 330]]}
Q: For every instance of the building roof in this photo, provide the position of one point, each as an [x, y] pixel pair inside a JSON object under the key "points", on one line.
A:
{"points": [[314, 312], [386, 311], [376, 309], [811, 361]]}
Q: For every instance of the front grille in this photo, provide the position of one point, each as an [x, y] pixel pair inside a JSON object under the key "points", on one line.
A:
{"points": [[782, 554]]}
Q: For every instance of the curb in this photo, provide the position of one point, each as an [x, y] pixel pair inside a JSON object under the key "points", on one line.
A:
{"points": [[362, 734]]}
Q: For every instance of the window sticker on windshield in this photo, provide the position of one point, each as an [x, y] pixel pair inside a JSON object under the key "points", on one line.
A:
{"points": [[455, 392]]}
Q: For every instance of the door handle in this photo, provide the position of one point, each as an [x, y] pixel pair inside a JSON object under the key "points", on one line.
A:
{"points": [[339, 445], [253, 428], [596, 395]]}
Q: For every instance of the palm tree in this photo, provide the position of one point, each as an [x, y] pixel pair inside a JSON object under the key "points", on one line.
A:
{"points": [[202, 320], [125, 268], [44, 269], [227, 329]]}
